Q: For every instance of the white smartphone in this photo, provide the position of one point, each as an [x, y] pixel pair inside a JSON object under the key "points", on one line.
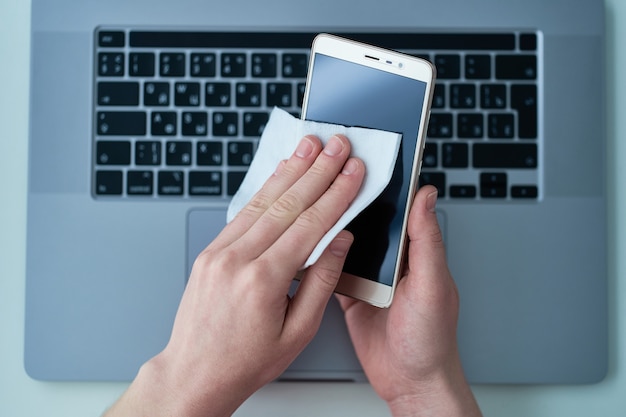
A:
{"points": [[356, 84]]}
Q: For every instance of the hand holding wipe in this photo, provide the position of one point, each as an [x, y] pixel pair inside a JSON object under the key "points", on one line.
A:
{"points": [[376, 148]]}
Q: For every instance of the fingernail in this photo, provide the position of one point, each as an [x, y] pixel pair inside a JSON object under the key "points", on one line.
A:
{"points": [[333, 147], [431, 201], [340, 247], [350, 166], [304, 149]]}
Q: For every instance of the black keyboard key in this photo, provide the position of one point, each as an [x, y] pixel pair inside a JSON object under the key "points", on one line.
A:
{"points": [[500, 125], [240, 153], [448, 66], [234, 180], [171, 182], [254, 123], [156, 94], [225, 124], [118, 94], [205, 183], [438, 179], [439, 96], [147, 152], [217, 94], [504, 155], [108, 39], [178, 153], [141, 64], [463, 191], [430, 158], [109, 182], [279, 94], [195, 123], [172, 64], [187, 94], [295, 65], [493, 185], [111, 64], [112, 152], [455, 155], [209, 153], [121, 123], [477, 67], [493, 96], [163, 123], [440, 125], [528, 42], [470, 125], [516, 67], [140, 183], [233, 65], [248, 94], [202, 65], [524, 100], [524, 191], [264, 65], [462, 96]]}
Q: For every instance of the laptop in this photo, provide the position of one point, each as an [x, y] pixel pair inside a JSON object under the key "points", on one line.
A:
{"points": [[146, 114]]}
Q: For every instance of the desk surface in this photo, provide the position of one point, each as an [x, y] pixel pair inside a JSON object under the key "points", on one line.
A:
{"points": [[21, 396]]}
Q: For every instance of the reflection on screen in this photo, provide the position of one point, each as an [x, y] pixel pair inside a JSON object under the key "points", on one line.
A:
{"points": [[350, 94]]}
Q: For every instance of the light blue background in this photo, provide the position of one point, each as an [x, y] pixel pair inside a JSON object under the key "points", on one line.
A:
{"points": [[21, 396]]}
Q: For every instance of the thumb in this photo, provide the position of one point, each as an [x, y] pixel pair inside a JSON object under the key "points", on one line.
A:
{"points": [[318, 283], [426, 248], [428, 281]]}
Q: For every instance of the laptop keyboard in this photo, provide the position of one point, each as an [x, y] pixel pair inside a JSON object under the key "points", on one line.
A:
{"points": [[179, 114]]}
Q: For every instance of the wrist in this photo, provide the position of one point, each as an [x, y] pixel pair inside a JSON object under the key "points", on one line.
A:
{"points": [[160, 389], [444, 393]]}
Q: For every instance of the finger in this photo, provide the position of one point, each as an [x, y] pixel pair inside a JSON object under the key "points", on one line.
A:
{"points": [[426, 250], [309, 228], [286, 175], [315, 289], [297, 199], [428, 281]]}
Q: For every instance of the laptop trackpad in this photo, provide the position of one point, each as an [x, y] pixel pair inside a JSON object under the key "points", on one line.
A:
{"points": [[203, 225]]}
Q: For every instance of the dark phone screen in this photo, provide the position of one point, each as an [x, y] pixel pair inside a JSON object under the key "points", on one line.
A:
{"points": [[350, 94]]}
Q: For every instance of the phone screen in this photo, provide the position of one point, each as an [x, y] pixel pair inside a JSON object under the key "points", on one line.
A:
{"points": [[351, 94]]}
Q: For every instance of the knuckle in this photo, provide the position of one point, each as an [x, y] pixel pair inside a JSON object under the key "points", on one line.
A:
{"points": [[288, 203], [312, 218], [216, 261], [326, 278], [318, 170], [260, 269], [291, 170], [258, 204]]}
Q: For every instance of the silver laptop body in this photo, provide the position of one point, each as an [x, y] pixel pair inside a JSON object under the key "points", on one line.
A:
{"points": [[141, 128]]}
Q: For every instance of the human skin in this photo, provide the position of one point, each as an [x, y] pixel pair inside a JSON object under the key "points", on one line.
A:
{"points": [[409, 351], [237, 328]]}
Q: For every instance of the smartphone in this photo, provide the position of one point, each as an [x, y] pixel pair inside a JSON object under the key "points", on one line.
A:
{"points": [[356, 84]]}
